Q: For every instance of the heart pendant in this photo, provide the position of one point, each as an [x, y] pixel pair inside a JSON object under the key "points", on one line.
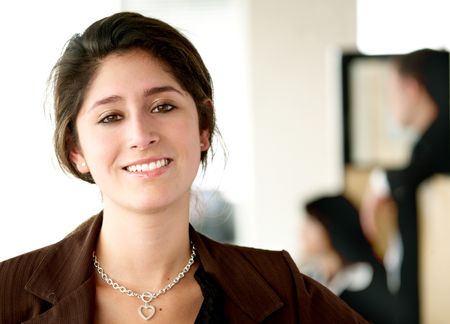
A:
{"points": [[146, 311]]}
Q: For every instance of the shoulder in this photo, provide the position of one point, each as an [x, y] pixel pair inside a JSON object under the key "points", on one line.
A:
{"points": [[257, 259], [301, 297], [16, 272], [21, 267], [270, 264], [24, 264]]}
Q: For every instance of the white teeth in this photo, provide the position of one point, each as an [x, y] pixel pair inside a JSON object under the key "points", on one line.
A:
{"points": [[148, 166]]}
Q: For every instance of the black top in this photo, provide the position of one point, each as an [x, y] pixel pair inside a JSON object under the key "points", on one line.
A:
{"points": [[375, 303], [211, 311]]}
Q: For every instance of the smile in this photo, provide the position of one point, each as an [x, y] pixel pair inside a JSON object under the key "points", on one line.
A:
{"points": [[148, 166]]}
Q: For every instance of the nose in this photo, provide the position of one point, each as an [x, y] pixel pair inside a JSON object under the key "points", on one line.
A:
{"points": [[141, 133]]}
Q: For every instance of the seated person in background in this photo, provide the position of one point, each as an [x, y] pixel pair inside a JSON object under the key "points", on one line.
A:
{"points": [[336, 253], [421, 103]]}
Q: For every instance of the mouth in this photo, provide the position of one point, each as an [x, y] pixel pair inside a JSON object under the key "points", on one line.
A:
{"points": [[146, 167]]}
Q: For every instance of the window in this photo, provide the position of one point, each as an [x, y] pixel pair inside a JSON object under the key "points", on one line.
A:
{"points": [[399, 26]]}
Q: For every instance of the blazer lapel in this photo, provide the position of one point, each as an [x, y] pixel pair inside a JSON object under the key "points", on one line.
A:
{"points": [[77, 307], [65, 277], [237, 277]]}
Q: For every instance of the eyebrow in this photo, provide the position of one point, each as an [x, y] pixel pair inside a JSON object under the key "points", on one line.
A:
{"points": [[156, 90], [105, 101], [147, 93]]}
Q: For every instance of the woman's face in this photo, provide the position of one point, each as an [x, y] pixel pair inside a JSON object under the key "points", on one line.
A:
{"points": [[315, 240], [139, 134]]}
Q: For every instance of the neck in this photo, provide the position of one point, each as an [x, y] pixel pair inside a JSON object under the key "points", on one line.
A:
{"points": [[144, 250]]}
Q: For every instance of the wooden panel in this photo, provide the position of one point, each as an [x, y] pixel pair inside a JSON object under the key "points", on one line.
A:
{"points": [[434, 218]]}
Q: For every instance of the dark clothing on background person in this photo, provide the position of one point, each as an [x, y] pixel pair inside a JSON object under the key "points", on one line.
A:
{"points": [[56, 284], [431, 155], [375, 302]]}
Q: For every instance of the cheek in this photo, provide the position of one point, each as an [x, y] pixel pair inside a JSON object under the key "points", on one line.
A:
{"points": [[401, 103], [401, 112], [187, 132], [316, 242], [96, 149]]}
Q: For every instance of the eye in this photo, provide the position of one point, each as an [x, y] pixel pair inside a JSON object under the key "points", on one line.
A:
{"points": [[162, 108], [110, 119]]}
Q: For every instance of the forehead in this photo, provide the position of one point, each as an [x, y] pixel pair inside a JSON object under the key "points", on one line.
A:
{"points": [[135, 62], [129, 71]]}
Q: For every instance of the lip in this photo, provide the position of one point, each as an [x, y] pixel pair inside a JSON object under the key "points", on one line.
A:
{"points": [[149, 173]]}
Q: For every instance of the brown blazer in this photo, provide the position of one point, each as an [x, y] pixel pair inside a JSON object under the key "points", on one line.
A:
{"points": [[55, 284]]}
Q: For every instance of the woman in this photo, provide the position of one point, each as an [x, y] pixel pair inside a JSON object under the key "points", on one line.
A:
{"points": [[134, 115], [340, 257]]}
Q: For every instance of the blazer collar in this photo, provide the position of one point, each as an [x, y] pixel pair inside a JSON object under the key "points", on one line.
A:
{"points": [[64, 277], [237, 277]]}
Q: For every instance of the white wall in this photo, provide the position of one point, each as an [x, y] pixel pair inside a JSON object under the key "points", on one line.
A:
{"points": [[407, 25], [33, 191], [296, 120]]}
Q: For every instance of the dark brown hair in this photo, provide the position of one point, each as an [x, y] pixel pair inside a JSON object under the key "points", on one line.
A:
{"points": [[430, 68], [121, 32], [340, 219]]}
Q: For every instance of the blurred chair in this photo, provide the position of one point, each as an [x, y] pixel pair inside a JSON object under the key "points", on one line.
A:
{"points": [[212, 215]]}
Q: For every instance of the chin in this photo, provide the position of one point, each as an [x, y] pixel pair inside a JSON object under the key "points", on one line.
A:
{"points": [[151, 207], [155, 205]]}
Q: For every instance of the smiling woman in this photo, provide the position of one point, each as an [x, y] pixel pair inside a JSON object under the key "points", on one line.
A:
{"points": [[134, 114]]}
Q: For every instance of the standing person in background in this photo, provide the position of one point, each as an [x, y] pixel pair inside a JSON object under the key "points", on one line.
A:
{"points": [[134, 114], [421, 88]]}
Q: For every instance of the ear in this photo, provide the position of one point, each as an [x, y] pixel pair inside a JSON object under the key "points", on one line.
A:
{"points": [[412, 88], [77, 158], [206, 133], [204, 140]]}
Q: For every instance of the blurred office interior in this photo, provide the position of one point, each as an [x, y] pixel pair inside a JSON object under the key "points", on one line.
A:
{"points": [[276, 67]]}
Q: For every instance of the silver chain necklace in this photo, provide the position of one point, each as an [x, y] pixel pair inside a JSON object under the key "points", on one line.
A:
{"points": [[147, 310]]}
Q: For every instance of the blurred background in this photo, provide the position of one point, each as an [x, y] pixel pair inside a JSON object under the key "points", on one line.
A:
{"points": [[277, 70]]}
